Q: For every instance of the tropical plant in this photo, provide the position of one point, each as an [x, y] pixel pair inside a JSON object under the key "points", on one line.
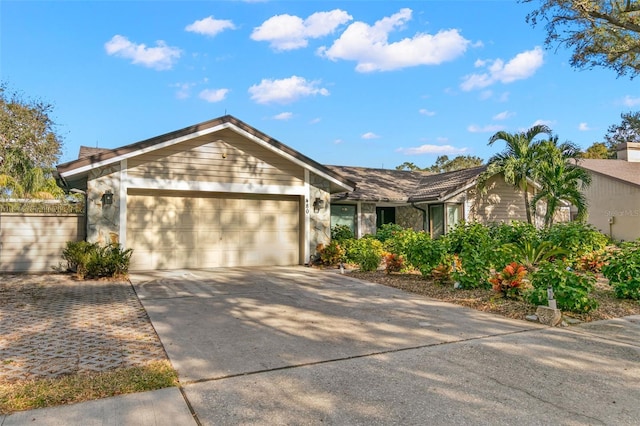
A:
{"points": [[511, 281], [400, 242], [387, 231], [560, 178], [571, 289], [474, 247], [92, 260], [623, 271], [393, 262], [517, 162], [532, 253], [331, 254]]}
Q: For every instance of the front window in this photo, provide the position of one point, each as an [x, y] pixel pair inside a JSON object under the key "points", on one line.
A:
{"points": [[385, 215], [344, 215]]}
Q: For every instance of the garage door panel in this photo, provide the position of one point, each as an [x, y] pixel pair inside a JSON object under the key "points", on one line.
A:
{"points": [[211, 231]]}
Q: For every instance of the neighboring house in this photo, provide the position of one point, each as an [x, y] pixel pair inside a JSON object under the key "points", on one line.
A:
{"points": [[614, 194], [424, 201], [219, 193]]}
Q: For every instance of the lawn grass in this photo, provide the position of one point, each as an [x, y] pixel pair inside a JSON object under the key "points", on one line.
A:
{"points": [[40, 393]]}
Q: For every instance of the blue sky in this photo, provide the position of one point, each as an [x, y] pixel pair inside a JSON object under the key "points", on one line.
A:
{"points": [[360, 83]]}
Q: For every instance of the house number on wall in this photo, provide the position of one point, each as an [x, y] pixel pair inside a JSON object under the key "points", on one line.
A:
{"points": [[306, 205]]}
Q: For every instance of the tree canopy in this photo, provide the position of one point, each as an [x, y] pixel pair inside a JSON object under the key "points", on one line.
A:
{"points": [[602, 33], [444, 164], [29, 146]]}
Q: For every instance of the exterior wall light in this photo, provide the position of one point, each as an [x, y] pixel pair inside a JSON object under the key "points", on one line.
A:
{"points": [[318, 205], [107, 197]]}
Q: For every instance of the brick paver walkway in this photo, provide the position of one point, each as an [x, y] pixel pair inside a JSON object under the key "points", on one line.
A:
{"points": [[51, 325]]}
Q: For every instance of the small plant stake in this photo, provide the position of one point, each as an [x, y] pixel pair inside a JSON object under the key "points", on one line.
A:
{"points": [[550, 298]]}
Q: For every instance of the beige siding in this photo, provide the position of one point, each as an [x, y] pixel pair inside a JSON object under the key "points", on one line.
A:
{"points": [[178, 230], [501, 203], [610, 198], [224, 157], [34, 242]]}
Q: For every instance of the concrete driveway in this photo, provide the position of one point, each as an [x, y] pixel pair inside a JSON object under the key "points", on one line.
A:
{"points": [[302, 346]]}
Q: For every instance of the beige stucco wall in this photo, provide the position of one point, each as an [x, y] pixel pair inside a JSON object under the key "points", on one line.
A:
{"points": [[616, 200]]}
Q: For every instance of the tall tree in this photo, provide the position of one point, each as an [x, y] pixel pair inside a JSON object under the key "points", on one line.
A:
{"points": [[444, 164], [598, 151], [560, 178], [627, 131], [517, 162], [603, 33], [29, 145]]}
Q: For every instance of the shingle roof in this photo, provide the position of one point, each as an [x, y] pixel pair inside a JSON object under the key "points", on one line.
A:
{"points": [[403, 186], [87, 151], [437, 187], [625, 171]]}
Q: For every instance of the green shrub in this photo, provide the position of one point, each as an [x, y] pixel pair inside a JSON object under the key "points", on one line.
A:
{"points": [[425, 254], [386, 231], [341, 233], [367, 252], [514, 232], [571, 289], [473, 245], [576, 238], [94, 261], [332, 254], [400, 242], [623, 271]]}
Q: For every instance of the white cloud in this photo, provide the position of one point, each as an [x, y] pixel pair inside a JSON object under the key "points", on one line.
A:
{"points": [[210, 26], [427, 112], [583, 127], [630, 101], [369, 45], [489, 128], [285, 91], [503, 115], [370, 135], [338, 141], [184, 90], [520, 67], [213, 95], [161, 57], [315, 120], [288, 32], [547, 123], [432, 149], [283, 116]]}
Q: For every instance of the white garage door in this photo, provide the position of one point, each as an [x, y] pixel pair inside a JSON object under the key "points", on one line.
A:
{"points": [[167, 231]]}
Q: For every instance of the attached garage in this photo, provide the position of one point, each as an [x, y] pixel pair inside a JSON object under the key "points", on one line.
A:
{"points": [[215, 194], [169, 230]]}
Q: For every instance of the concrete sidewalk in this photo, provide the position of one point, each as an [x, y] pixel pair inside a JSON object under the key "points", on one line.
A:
{"points": [[297, 346]]}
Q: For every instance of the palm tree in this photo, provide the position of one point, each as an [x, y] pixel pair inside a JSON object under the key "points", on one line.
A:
{"points": [[560, 178], [517, 162]]}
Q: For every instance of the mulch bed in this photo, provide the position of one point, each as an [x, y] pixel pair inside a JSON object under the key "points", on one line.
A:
{"points": [[488, 301]]}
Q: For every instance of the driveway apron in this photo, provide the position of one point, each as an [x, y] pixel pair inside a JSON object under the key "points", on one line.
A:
{"points": [[234, 321]]}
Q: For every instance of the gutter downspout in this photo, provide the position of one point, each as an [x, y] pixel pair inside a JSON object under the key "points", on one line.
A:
{"points": [[424, 215]]}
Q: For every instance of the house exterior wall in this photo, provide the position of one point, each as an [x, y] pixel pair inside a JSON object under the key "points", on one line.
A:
{"points": [[611, 199], [103, 221], [501, 203], [229, 159], [320, 221], [367, 219], [410, 217]]}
